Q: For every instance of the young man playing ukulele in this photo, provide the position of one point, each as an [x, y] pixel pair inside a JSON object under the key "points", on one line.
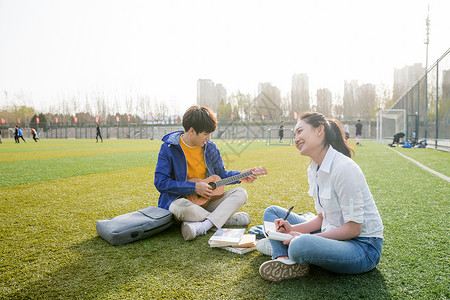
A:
{"points": [[189, 155]]}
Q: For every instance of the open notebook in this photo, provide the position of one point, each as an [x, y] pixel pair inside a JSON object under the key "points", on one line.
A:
{"points": [[271, 232]]}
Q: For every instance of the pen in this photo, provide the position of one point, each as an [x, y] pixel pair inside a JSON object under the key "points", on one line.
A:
{"points": [[287, 215]]}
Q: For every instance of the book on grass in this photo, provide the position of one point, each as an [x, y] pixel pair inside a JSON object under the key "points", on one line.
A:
{"points": [[224, 237], [271, 232], [239, 250], [246, 241]]}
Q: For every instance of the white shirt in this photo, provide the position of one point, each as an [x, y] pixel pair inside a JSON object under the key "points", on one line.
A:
{"points": [[346, 128], [344, 195]]}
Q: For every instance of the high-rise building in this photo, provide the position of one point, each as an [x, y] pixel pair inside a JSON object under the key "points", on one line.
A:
{"points": [[404, 78], [300, 93], [350, 97], [268, 101], [210, 94], [325, 102], [271, 91], [359, 100]]}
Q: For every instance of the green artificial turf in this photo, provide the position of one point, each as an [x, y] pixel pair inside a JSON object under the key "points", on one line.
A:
{"points": [[436, 160], [49, 247]]}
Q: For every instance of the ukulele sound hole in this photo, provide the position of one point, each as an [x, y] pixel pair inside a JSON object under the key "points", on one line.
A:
{"points": [[213, 185]]}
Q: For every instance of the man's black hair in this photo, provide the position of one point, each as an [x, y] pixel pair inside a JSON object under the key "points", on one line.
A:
{"points": [[201, 118]]}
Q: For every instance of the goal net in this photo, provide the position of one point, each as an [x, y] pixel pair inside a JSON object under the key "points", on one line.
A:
{"points": [[273, 137], [390, 122]]}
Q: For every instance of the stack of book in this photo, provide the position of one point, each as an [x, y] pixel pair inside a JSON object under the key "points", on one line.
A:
{"points": [[234, 240]]}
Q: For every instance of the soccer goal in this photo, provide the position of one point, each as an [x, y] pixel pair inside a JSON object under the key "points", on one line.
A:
{"points": [[273, 137], [389, 123]]}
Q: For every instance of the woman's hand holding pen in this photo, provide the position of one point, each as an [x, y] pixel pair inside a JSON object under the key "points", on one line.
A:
{"points": [[283, 226]]}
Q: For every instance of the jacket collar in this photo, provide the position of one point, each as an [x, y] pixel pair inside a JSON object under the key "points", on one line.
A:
{"points": [[173, 138]]}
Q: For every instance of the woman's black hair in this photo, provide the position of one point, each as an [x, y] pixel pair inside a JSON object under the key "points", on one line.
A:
{"points": [[334, 134], [201, 118]]}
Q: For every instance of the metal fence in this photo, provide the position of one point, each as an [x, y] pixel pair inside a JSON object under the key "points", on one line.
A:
{"points": [[427, 105], [231, 130], [89, 131], [225, 130]]}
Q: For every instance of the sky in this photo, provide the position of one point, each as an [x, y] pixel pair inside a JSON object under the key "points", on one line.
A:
{"points": [[65, 49]]}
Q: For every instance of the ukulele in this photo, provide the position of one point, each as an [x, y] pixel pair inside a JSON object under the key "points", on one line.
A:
{"points": [[217, 184]]}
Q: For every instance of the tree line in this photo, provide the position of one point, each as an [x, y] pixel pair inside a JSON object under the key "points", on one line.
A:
{"points": [[359, 100]]}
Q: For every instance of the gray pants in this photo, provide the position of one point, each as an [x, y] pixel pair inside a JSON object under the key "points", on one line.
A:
{"points": [[217, 211]]}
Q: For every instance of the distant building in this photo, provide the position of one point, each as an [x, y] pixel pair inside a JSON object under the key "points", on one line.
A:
{"points": [[350, 98], [404, 78], [210, 94], [366, 99], [359, 100], [300, 93], [325, 102], [271, 91], [268, 101]]}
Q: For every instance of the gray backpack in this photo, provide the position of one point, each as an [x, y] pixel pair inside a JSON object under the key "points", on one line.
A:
{"points": [[134, 226]]}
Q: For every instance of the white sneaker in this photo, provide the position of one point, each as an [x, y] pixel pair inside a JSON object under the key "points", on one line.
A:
{"points": [[238, 219], [282, 268], [189, 230], [265, 247]]}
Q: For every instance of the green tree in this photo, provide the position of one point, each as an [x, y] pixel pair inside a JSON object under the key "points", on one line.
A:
{"points": [[243, 104], [224, 111]]}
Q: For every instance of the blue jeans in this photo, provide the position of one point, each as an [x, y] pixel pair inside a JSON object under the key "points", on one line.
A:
{"points": [[354, 256]]}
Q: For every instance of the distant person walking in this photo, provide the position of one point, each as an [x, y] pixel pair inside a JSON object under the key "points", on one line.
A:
{"points": [[99, 134], [34, 133], [358, 127], [347, 130], [20, 134], [1, 136], [16, 134], [281, 131]]}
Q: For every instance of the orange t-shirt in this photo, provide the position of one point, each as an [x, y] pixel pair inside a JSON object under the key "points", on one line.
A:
{"points": [[196, 166]]}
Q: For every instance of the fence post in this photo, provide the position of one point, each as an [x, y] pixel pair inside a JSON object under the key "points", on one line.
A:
{"points": [[417, 112], [248, 129], [425, 117], [437, 107]]}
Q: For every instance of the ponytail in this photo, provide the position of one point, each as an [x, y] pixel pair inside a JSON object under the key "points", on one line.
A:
{"points": [[340, 143], [334, 134]]}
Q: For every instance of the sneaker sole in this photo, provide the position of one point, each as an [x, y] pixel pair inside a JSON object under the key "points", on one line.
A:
{"points": [[276, 271]]}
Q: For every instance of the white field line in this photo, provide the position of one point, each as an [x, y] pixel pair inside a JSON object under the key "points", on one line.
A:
{"points": [[423, 166]]}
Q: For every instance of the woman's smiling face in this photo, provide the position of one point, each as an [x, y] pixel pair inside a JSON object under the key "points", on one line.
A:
{"points": [[308, 139]]}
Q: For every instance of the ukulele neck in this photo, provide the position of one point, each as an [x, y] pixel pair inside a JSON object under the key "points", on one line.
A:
{"points": [[233, 178]]}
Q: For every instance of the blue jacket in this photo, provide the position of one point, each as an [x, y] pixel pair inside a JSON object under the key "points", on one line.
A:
{"points": [[171, 169]]}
